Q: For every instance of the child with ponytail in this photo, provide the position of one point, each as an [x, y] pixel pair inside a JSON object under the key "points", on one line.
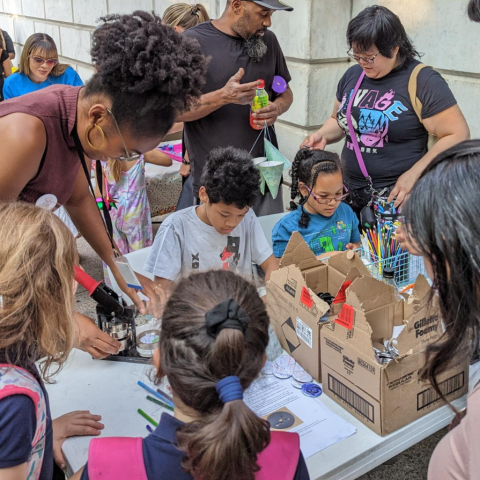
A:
{"points": [[37, 286], [212, 347], [326, 223]]}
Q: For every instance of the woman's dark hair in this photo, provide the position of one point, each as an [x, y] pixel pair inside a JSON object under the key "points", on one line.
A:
{"points": [[150, 72], [474, 10], [224, 442], [230, 177], [442, 218], [379, 26], [306, 168]]}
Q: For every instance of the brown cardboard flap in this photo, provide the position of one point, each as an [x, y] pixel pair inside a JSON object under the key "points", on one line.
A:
{"points": [[372, 292], [421, 288], [343, 264], [298, 253], [359, 337], [336, 279]]}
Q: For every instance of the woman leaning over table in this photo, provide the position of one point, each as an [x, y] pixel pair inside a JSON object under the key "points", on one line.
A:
{"points": [[39, 68], [391, 137], [145, 74]]}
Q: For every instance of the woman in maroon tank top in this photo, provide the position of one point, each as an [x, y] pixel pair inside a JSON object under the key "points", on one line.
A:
{"points": [[145, 74]]}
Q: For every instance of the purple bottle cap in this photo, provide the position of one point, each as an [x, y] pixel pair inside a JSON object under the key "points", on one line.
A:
{"points": [[279, 85]]}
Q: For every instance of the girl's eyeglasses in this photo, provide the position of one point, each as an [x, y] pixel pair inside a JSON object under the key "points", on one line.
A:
{"points": [[325, 201], [51, 62]]}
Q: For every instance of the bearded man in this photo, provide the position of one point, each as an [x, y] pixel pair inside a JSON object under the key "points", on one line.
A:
{"points": [[240, 50]]}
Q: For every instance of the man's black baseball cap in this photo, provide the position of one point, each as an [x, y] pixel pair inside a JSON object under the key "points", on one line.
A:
{"points": [[272, 4]]}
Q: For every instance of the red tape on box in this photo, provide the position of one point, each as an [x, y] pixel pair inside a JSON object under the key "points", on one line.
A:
{"points": [[305, 298], [341, 295], [346, 317]]}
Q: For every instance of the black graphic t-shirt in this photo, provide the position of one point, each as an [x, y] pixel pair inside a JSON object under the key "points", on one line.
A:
{"points": [[389, 133], [230, 124]]}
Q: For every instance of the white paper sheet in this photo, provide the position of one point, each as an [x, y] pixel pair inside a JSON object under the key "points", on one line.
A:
{"points": [[317, 426]]}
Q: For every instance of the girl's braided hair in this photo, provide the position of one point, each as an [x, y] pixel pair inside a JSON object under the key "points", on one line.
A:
{"points": [[306, 168]]}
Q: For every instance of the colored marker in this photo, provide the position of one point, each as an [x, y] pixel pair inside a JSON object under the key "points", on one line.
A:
{"points": [[156, 394], [166, 395], [147, 417], [158, 402], [149, 428]]}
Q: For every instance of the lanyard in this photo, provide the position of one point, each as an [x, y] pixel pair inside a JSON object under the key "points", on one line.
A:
{"points": [[106, 219]]}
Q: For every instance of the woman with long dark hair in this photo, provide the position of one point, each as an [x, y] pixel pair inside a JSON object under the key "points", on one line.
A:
{"points": [[385, 134], [442, 224]]}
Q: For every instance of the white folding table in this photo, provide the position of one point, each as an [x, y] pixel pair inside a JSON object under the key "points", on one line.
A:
{"points": [[110, 389]]}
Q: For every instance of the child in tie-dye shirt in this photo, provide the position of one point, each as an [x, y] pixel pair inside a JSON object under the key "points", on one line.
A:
{"points": [[126, 184]]}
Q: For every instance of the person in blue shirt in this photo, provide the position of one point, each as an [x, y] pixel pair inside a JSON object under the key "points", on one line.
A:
{"points": [[39, 68], [326, 223]]}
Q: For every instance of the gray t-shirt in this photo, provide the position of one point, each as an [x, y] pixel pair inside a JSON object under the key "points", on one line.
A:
{"points": [[184, 243]]}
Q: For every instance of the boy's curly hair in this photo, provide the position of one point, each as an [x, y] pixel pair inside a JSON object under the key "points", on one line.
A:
{"points": [[230, 177], [150, 72]]}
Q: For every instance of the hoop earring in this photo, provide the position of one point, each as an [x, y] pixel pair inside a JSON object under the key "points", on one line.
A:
{"points": [[102, 134]]}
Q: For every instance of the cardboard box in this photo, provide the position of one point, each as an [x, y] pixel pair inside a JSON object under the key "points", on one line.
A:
{"points": [[390, 396], [296, 312]]}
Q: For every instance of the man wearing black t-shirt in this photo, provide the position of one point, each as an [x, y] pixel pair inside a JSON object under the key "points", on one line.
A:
{"points": [[241, 51]]}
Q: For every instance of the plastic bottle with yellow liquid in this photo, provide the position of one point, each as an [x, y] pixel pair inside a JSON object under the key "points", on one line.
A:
{"points": [[260, 101]]}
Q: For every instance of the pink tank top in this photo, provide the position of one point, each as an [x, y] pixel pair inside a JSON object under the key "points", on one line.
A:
{"points": [[56, 107]]}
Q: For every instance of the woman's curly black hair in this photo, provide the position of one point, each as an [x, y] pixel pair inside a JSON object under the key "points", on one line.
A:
{"points": [[230, 177], [306, 168], [149, 71]]}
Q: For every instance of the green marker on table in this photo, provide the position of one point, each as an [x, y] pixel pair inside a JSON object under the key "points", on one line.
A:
{"points": [[147, 417], [158, 402]]}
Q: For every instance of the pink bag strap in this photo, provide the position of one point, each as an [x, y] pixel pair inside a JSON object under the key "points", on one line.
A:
{"points": [[116, 457], [280, 458], [353, 135]]}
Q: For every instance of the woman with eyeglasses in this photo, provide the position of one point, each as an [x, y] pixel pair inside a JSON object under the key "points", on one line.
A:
{"points": [[145, 74], [39, 68], [385, 135]]}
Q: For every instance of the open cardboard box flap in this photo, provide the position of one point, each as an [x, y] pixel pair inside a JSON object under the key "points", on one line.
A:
{"points": [[345, 261], [298, 253], [381, 311]]}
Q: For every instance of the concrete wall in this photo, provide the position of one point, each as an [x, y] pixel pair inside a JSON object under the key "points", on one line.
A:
{"points": [[312, 38]]}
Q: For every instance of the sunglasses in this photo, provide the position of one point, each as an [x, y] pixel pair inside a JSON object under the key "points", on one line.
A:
{"points": [[128, 157], [51, 62], [327, 200]]}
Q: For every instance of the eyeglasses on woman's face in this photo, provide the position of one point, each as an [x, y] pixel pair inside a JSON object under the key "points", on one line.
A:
{"points": [[51, 62], [358, 58], [128, 157]]}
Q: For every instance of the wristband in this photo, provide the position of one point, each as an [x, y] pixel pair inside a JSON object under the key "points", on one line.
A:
{"points": [[185, 162]]}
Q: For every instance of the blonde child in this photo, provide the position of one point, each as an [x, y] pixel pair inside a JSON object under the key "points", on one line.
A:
{"points": [[37, 258], [212, 347], [326, 223], [125, 195]]}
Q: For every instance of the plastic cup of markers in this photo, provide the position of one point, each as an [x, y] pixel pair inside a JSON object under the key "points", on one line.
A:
{"points": [[311, 390]]}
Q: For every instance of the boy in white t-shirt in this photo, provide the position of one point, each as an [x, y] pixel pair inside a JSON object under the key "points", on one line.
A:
{"points": [[223, 232]]}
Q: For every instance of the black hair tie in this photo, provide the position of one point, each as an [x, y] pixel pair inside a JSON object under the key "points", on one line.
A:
{"points": [[227, 314]]}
